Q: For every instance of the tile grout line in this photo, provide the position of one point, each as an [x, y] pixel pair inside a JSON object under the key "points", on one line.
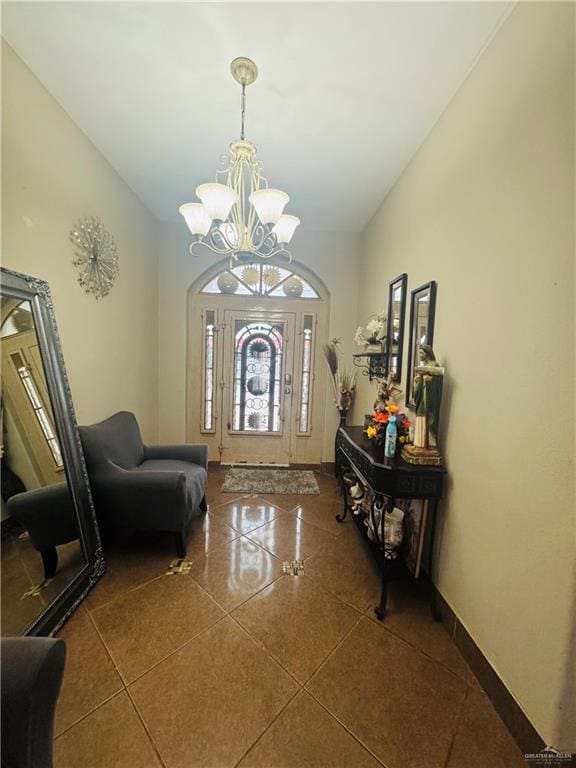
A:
{"points": [[251, 747], [128, 683], [416, 648], [121, 679], [180, 647], [333, 651], [456, 727], [259, 645], [108, 651], [310, 693], [124, 594], [91, 712], [347, 729], [146, 730]]}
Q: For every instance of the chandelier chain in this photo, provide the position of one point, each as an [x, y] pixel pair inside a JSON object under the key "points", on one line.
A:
{"points": [[243, 110]]}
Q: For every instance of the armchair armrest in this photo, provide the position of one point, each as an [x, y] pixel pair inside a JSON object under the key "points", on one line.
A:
{"points": [[32, 670], [47, 513], [147, 499], [195, 453]]}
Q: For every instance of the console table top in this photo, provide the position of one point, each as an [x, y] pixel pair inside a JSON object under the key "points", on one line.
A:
{"points": [[375, 454]]}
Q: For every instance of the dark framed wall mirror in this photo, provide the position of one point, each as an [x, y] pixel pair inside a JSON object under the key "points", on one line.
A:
{"points": [[51, 551], [396, 318], [422, 312]]}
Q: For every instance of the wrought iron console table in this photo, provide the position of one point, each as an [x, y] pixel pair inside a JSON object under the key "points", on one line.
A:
{"points": [[387, 480]]}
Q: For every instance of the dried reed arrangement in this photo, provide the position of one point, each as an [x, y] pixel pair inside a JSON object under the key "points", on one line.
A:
{"points": [[343, 382]]}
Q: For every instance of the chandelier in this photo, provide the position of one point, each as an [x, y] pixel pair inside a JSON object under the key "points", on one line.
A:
{"points": [[240, 215]]}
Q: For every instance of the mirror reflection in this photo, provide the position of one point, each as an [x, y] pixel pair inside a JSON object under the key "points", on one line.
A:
{"points": [[396, 314], [422, 310], [40, 547]]}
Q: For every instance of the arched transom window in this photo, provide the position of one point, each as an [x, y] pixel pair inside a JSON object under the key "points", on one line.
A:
{"points": [[261, 280]]}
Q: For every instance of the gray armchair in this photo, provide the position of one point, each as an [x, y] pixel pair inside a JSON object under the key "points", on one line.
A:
{"points": [[31, 674], [140, 487], [49, 516]]}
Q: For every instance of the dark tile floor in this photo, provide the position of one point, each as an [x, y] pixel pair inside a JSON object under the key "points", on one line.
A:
{"points": [[235, 664]]}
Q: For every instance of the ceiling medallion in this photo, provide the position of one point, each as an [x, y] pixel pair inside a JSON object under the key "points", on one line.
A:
{"points": [[239, 215], [96, 256]]}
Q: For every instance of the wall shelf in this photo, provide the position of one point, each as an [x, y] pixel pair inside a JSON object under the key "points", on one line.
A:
{"points": [[373, 364]]}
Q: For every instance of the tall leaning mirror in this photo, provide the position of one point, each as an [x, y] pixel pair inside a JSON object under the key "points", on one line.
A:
{"points": [[422, 311], [396, 314], [51, 553]]}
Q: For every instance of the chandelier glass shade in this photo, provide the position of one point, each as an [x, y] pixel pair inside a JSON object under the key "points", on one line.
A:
{"points": [[239, 215]]}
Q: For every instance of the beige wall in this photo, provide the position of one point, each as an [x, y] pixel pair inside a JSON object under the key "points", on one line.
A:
{"points": [[53, 175], [486, 208], [332, 257]]}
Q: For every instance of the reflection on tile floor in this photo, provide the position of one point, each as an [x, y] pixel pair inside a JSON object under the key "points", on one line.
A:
{"points": [[233, 663], [25, 592]]}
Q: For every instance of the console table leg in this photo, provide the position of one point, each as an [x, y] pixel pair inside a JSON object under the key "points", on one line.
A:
{"points": [[342, 517], [380, 610]]}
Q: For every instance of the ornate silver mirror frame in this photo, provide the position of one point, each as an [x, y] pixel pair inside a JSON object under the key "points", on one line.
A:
{"points": [[24, 288]]}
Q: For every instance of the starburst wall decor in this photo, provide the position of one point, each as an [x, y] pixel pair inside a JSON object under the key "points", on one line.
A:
{"points": [[96, 256]]}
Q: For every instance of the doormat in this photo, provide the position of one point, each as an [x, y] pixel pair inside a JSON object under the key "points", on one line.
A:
{"points": [[270, 481]]}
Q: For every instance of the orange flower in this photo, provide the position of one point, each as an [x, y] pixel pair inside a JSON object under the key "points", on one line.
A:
{"points": [[391, 408], [381, 417]]}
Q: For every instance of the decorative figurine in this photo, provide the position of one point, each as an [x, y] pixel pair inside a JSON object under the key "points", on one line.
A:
{"points": [[427, 392], [386, 393]]}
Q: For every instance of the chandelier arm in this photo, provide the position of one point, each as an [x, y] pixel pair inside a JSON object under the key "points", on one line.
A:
{"points": [[261, 235], [195, 248], [217, 234]]}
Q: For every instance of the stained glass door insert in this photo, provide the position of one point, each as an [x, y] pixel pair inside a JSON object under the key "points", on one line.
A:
{"points": [[258, 352], [258, 358]]}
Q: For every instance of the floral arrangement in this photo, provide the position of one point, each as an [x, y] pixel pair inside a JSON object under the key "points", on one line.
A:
{"points": [[373, 333], [375, 426], [343, 382]]}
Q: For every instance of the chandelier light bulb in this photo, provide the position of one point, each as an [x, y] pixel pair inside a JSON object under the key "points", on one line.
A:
{"points": [[285, 227], [269, 204], [197, 219], [218, 199]]}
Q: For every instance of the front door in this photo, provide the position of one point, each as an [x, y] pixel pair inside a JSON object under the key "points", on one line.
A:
{"points": [[257, 382]]}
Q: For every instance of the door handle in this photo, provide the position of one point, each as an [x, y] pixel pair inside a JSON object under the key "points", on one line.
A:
{"points": [[287, 391]]}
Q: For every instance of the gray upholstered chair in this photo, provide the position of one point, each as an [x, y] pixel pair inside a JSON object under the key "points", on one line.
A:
{"points": [[31, 674], [141, 487], [49, 516]]}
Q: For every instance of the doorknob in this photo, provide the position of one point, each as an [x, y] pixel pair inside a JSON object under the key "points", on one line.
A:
{"points": [[287, 391]]}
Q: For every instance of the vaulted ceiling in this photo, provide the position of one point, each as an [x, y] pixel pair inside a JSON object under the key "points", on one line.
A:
{"points": [[346, 94]]}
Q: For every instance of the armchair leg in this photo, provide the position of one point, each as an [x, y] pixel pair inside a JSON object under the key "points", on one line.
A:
{"points": [[180, 541], [50, 562], [203, 504]]}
